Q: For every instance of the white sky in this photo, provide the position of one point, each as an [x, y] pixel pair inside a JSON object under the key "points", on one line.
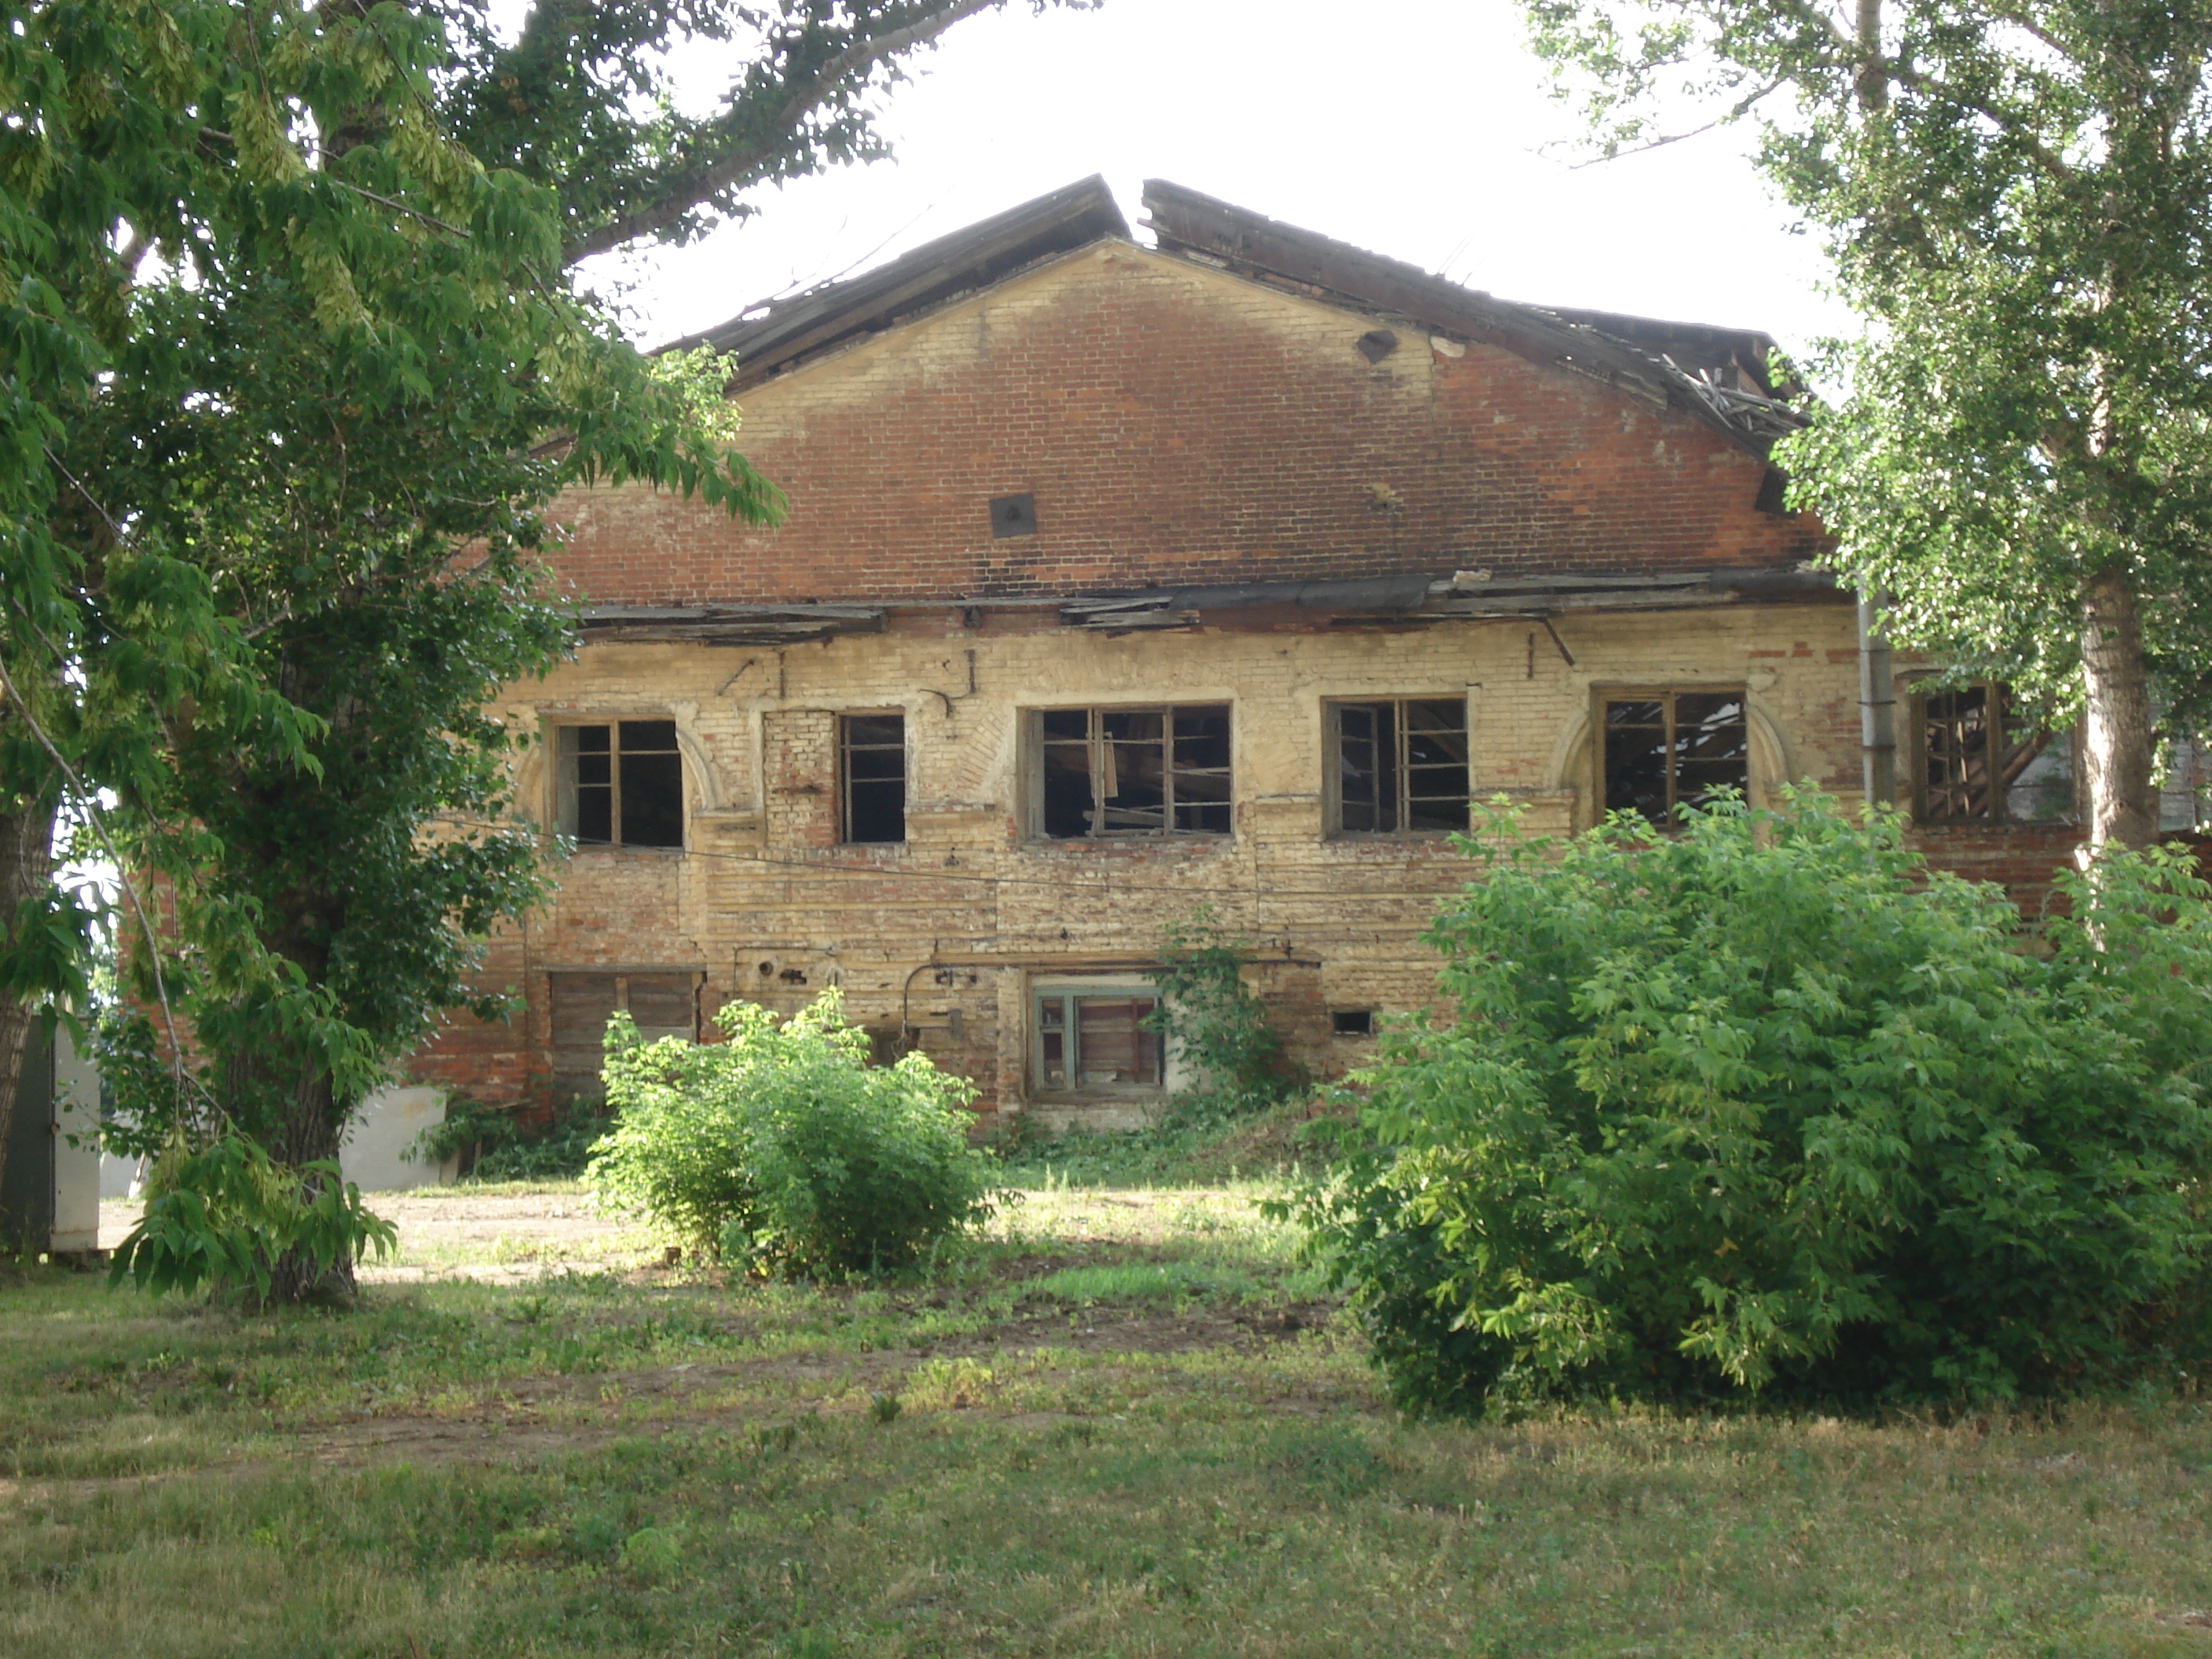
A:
{"points": [[1412, 128]]}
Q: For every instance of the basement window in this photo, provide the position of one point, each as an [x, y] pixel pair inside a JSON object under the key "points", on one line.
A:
{"points": [[871, 778], [1401, 767], [1095, 1040], [1664, 750], [1981, 761], [1121, 772], [621, 784], [1351, 1022]]}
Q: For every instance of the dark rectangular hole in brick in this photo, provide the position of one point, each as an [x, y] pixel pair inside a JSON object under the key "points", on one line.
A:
{"points": [[1012, 515], [1351, 1022]]}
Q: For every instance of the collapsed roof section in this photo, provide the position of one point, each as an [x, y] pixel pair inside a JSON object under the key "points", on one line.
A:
{"points": [[1719, 376], [1408, 599], [1422, 599], [765, 342]]}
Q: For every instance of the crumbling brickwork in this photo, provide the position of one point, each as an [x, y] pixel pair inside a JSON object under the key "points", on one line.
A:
{"points": [[936, 936], [1178, 424], [1174, 424]]}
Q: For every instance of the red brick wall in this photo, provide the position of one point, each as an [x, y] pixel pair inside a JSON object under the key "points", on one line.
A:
{"points": [[2021, 858], [1177, 424]]}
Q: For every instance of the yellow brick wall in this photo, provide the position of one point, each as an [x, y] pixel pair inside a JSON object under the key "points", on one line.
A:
{"points": [[962, 917]]}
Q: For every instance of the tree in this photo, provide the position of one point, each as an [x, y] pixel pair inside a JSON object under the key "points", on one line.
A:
{"points": [[2019, 200], [584, 99], [270, 544]]}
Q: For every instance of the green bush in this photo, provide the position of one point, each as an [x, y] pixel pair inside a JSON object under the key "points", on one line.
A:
{"points": [[1214, 1024], [491, 1143], [784, 1149], [224, 1214], [1768, 1106]]}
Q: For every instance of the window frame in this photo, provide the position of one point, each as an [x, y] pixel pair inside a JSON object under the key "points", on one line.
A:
{"points": [[565, 813], [1067, 990], [1035, 742], [1333, 764], [1997, 795], [845, 747], [1666, 693]]}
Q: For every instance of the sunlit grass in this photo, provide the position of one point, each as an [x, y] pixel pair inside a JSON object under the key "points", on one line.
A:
{"points": [[1127, 1421]]}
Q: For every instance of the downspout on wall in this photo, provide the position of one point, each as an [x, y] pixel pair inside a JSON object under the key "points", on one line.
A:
{"points": [[1877, 707]]}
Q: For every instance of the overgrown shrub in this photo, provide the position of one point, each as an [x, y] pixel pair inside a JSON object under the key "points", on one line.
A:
{"points": [[1211, 1021], [220, 1213], [224, 1214], [1766, 1105], [783, 1149], [491, 1143]]}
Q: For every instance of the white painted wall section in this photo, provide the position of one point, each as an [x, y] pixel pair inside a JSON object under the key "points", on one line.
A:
{"points": [[374, 1154], [76, 1168]]}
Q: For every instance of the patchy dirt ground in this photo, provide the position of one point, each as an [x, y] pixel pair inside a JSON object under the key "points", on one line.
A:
{"points": [[513, 1237], [494, 1237], [1033, 1343]]}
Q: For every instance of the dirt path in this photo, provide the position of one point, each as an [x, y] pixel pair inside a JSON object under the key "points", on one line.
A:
{"points": [[509, 1238], [499, 1237]]}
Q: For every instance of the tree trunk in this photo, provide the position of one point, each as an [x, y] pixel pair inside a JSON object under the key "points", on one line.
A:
{"points": [[2117, 732], [26, 843], [309, 1131]]}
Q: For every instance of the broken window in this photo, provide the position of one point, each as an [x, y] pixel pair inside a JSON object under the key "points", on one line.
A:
{"points": [[1133, 771], [1096, 1040], [1401, 766], [580, 1005], [1980, 759], [872, 777], [621, 785], [1664, 750]]}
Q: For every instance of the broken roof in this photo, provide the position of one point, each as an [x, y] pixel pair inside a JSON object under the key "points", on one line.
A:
{"points": [[1719, 376], [776, 337]]}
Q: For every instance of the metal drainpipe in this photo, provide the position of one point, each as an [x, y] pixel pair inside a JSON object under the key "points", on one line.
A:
{"points": [[1877, 707]]}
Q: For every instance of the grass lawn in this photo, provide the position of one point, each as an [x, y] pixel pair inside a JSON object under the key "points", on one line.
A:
{"points": [[1127, 1424]]}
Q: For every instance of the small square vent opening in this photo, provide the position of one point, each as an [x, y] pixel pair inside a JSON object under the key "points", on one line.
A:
{"points": [[1012, 515]]}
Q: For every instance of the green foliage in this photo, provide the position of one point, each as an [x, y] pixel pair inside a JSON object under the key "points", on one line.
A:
{"points": [[278, 476], [490, 1143], [149, 1103], [224, 1215], [1768, 1106], [2022, 454], [1197, 1141], [783, 1149], [1213, 1022], [593, 102]]}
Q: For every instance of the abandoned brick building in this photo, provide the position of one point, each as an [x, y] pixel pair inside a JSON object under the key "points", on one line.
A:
{"points": [[1121, 578]]}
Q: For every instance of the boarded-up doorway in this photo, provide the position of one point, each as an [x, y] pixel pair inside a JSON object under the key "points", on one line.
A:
{"points": [[665, 1002]]}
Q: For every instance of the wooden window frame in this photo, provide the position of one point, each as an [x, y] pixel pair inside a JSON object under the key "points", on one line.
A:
{"points": [[566, 813], [845, 780], [1997, 789], [1068, 992], [1666, 693], [1333, 766], [1033, 769]]}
